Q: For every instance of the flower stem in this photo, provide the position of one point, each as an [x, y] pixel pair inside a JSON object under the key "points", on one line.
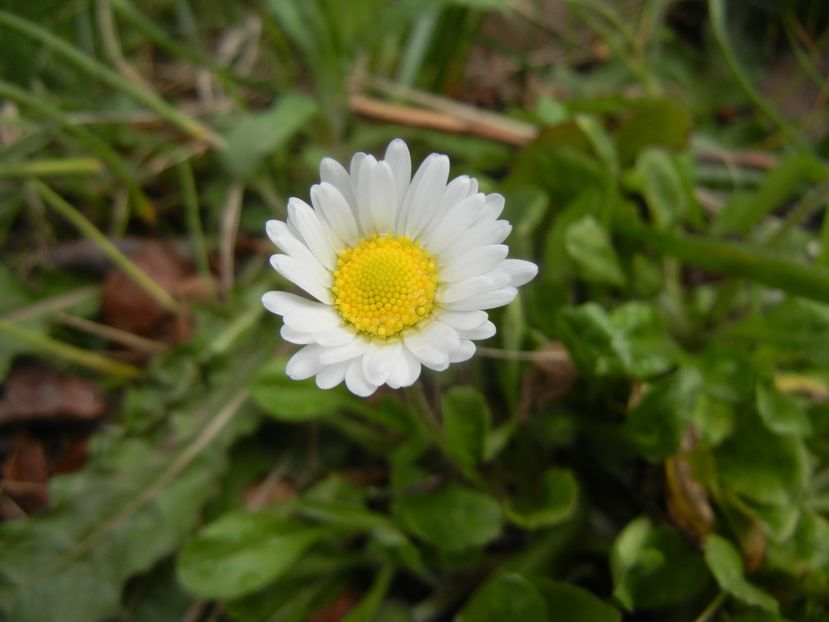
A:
{"points": [[416, 396]]}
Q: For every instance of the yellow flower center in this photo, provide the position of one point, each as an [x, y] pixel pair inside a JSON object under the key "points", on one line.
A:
{"points": [[384, 284]]}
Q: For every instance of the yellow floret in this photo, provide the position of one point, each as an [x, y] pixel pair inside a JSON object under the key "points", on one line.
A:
{"points": [[384, 284]]}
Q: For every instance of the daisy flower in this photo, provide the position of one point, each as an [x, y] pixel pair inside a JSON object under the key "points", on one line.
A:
{"points": [[400, 270]]}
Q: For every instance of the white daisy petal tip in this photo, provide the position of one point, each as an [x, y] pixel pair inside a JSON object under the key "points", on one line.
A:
{"points": [[397, 271]]}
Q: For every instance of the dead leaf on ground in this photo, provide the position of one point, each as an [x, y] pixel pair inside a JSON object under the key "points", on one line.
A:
{"points": [[126, 306], [39, 393], [25, 478], [552, 375], [336, 610]]}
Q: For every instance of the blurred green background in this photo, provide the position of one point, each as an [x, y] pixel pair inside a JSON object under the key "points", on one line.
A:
{"points": [[646, 438]]}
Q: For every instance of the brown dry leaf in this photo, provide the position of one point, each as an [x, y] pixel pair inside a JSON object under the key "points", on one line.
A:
{"points": [[336, 610], [552, 375], [25, 476], [126, 306], [38, 393], [687, 499]]}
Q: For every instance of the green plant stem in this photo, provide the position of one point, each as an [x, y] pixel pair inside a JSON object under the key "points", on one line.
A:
{"points": [[716, 11], [191, 206], [93, 68], [712, 607], [97, 146], [73, 354], [416, 396], [62, 207], [736, 260], [43, 168]]}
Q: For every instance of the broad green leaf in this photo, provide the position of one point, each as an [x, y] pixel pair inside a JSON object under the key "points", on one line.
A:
{"points": [[506, 597], [257, 135], [656, 424], [630, 341], [589, 245], [452, 518], [130, 506], [652, 122], [764, 467], [552, 500], [780, 412], [466, 424], [291, 400], [244, 551], [570, 603], [713, 419], [726, 565], [653, 566], [662, 187], [806, 553]]}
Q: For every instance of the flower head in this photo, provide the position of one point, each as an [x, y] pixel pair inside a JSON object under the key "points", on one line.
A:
{"points": [[401, 270]]}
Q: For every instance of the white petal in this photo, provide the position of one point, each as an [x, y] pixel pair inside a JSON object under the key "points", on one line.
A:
{"points": [[314, 233], [441, 336], [426, 195], [456, 191], [479, 235], [362, 179], [300, 275], [329, 377], [406, 200], [487, 300], [304, 363], [328, 200], [463, 353], [379, 360], [477, 261], [521, 272], [457, 221], [296, 336], [382, 200], [345, 352], [463, 320], [285, 302], [356, 380], [425, 352], [484, 331], [493, 206], [405, 370], [461, 290], [331, 337], [332, 172], [398, 158], [292, 246], [310, 320]]}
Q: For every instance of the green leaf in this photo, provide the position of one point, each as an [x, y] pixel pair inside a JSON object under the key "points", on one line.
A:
{"points": [[654, 567], [763, 466], [572, 603], [657, 423], [653, 122], [551, 501], [780, 412], [662, 187], [129, 507], [255, 136], [589, 245], [242, 552], [466, 424], [506, 597], [631, 341], [726, 565], [453, 518], [292, 400], [713, 419]]}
